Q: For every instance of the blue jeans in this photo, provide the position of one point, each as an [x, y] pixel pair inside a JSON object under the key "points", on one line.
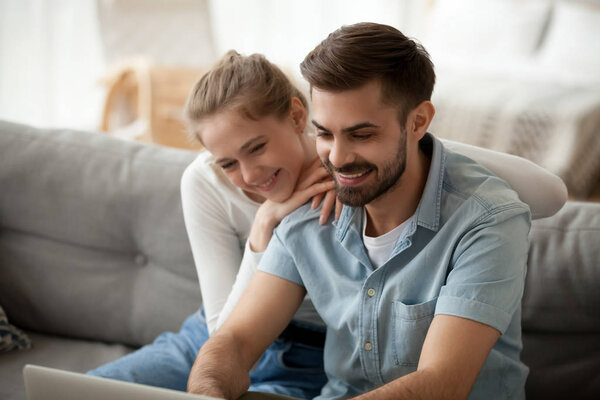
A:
{"points": [[288, 368]]}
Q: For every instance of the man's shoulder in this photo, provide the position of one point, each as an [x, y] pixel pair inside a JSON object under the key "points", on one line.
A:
{"points": [[302, 221], [470, 188], [304, 216]]}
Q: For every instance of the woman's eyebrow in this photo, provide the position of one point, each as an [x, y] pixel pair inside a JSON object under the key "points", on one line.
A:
{"points": [[251, 142], [244, 147], [222, 160]]}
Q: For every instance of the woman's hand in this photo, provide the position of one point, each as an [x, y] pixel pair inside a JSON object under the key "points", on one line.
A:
{"points": [[313, 181], [328, 200], [308, 176]]}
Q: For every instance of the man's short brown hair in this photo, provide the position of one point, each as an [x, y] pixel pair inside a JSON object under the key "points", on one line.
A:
{"points": [[356, 54]]}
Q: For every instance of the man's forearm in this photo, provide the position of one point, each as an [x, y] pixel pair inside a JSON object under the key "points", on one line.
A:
{"points": [[219, 370], [419, 385]]}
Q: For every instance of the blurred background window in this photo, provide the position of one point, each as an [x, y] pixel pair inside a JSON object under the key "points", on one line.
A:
{"points": [[519, 76]]}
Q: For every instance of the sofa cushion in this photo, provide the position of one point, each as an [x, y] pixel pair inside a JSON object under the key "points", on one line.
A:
{"points": [[92, 239], [561, 305], [563, 277]]}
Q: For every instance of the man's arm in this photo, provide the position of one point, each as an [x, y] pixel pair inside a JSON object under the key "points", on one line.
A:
{"points": [[264, 310], [489, 264], [454, 352]]}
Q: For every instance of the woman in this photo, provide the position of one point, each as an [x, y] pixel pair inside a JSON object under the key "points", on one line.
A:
{"points": [[262, 166]]}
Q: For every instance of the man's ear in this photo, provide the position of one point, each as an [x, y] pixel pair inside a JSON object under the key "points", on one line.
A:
{"points": [[420, 118], [298, 114]]}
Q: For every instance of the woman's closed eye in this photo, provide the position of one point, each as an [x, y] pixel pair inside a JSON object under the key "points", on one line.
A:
{"points": [[257, 148], [228, 165]]}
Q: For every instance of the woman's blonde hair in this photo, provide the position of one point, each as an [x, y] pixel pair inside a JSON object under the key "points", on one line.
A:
{"points": [[250, 84]]}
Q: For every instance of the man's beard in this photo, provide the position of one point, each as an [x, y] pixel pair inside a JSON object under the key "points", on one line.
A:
{"points": [[386, 177]]}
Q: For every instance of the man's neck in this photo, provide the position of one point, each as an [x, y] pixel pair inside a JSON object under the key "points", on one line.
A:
{"points": [[400, 202]]}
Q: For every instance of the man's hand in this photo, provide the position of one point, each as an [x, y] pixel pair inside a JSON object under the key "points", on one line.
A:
{"points": [[264, 310], [216, 376]]}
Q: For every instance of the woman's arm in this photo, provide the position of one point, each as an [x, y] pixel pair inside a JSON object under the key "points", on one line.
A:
{"points": [[544, 192], [247, 270], [268, 216], [215, 245], [214, 241]]}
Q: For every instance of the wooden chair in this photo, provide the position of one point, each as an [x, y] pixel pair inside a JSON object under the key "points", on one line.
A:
{"points": [[145, 103]]}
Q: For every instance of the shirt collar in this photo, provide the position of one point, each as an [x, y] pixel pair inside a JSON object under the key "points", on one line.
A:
{"points": [[428, 210]]}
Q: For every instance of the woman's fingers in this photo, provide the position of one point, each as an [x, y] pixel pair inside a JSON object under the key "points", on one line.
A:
{"points": [[338, 208], [316, 200], [302, 196], [328, 203]]}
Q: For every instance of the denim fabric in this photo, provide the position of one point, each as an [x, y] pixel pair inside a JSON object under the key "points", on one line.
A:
{"points": [[463, 254], [287, 368]]}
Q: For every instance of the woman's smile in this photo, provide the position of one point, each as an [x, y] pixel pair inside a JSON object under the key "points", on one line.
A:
{"points": [[269, 183]]}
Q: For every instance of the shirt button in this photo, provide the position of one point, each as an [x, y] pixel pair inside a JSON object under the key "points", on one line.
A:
{"points": [[371, 292], [368, 346]]}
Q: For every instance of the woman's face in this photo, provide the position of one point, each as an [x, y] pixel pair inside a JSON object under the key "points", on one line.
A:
{"points": [[263, 157]]}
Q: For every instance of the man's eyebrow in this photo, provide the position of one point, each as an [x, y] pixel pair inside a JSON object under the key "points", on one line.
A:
{"points": [[349, 129], [244, 147], [358, 126], [316, 124]]}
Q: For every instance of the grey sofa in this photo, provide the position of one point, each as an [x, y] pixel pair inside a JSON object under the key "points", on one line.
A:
{"points": [[94, 257], [94, 262]]}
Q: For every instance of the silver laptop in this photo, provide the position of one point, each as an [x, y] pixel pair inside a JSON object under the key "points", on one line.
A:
{"points": [[43, 383]]}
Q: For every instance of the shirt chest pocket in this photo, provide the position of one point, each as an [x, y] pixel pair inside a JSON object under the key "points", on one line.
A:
{"points": [[410, 326]]}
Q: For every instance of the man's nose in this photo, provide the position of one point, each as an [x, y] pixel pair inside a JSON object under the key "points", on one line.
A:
{"points": [[340, 154]]}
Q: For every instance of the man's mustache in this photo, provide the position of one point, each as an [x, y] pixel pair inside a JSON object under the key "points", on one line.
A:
{"points": [[348, 168]]}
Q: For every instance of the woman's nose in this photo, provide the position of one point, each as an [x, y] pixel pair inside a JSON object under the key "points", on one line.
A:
{"points": [[251, 174]]}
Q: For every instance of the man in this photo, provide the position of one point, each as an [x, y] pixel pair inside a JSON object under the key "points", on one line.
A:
{"points": [[420, 281]]}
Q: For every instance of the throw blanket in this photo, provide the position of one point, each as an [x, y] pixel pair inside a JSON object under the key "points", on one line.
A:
{"points": [[11, 337], [557, 127]]}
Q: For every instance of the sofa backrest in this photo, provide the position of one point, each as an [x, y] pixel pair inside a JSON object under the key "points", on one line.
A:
{"points": [[561, 305], [93, 245], [92, 239]]}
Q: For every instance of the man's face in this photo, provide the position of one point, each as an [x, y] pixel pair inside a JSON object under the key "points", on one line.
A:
{"points": [[360, 142]]}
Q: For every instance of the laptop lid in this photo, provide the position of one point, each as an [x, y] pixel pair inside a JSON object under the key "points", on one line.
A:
{"points": [[42, 383]]}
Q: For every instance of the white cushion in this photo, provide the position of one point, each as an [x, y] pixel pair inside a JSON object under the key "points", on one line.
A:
{"points": [[476, 32], [571, 50]]}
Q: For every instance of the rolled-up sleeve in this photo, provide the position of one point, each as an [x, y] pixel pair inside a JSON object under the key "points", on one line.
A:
{"points": [[487, 277], [277, 260]]}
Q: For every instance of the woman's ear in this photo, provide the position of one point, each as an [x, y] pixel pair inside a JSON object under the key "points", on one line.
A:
{"points": [[298, 114], [420, 118]]}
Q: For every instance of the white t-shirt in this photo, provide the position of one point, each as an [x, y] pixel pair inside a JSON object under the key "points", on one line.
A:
{"points": [[218, 217], [380, 248]]}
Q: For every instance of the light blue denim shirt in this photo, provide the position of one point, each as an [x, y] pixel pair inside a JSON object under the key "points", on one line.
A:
{"points": [[464, 253]]}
